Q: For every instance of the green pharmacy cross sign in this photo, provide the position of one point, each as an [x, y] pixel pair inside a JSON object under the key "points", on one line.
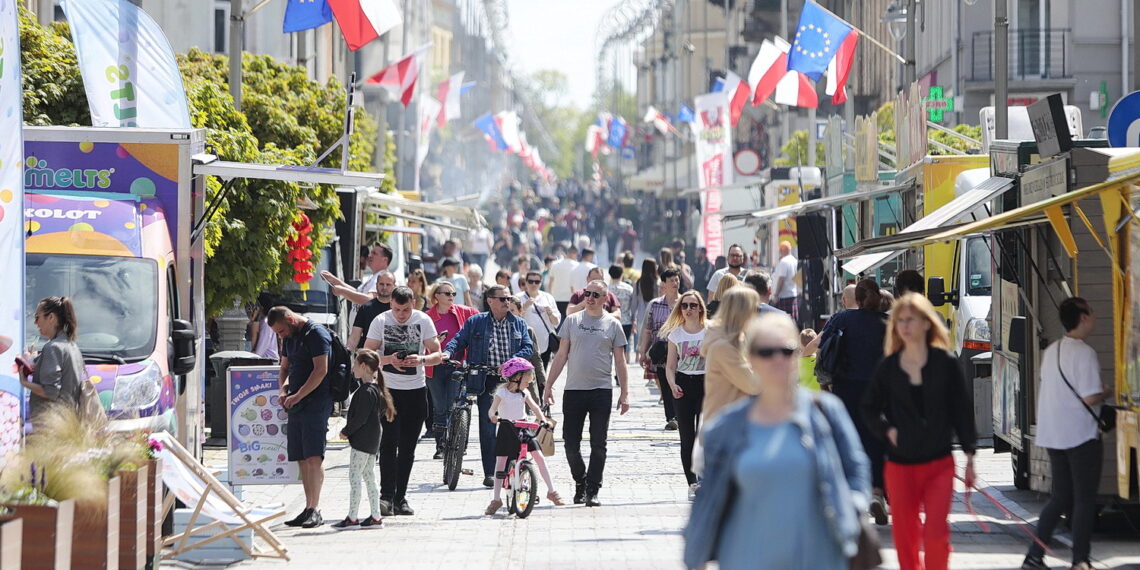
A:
{"points": [[937, 104]]}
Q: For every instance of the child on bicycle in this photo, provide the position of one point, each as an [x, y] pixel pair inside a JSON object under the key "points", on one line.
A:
{"points": [[510, 403], [362, 429]]}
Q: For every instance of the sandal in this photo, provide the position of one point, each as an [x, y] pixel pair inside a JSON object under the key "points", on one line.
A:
{"points": [[494, 507], [555, 498]]}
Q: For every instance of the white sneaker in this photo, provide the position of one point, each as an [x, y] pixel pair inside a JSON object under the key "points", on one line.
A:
{"points": [[693, 491]]}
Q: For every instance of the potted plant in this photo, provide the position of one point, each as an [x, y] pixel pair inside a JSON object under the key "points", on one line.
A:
{"points": [[48, 523]]}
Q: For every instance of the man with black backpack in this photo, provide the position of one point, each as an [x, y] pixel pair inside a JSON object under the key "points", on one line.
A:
{"points": [[306, 396]]}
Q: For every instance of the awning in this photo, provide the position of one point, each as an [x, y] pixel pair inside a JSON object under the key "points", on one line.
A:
{"points": [[301, 174], [756, 182], [458, 213], [394, 229], [801, 208], [668, 175], [940, 218], [894, 242], [417, 219]]}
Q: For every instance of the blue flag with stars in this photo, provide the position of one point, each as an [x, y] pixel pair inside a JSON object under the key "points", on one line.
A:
{"points": [[818, 36], [305, 14]]}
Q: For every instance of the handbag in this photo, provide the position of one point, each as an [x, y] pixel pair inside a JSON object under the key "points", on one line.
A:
{"points": [[1106, 420], [553, 342], [90, 408], [659, 352], [545, 437], [867, 556]]}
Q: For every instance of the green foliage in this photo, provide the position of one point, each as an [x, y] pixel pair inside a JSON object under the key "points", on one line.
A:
{"points": [[795, 151], [547, 90], [287, 119], [886, 125]]}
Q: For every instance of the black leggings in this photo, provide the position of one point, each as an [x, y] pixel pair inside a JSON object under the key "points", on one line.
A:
{"points": [[1076, 476], [666, 393], [398, 442], [688, 409]]}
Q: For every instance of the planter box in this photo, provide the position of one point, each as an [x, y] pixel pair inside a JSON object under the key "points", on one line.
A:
{"points": [[47, 536], [11, 538], [154, 494], [132, 519], [97, 532]]}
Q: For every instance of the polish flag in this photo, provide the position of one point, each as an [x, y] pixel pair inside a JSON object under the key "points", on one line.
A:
{"points": [[448, 94], [362, 21], [738, 94], [796, 90], [770, 66], [400, 77], [839, 68], [659, 120]]}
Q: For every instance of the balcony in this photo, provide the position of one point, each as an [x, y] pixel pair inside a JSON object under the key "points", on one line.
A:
{"points": [[1033, 54]]}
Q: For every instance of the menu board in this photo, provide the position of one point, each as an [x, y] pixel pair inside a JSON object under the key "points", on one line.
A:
{"points": [[258, 425]]}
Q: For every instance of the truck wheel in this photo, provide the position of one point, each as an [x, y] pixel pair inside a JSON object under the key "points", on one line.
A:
{"points": [[1020, 463]]}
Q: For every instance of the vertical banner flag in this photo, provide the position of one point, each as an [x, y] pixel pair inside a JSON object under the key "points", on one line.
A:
{"points": [[738, 94], [400, 77], [714, 144], [818, 38], [11, 231], [301, 15], [769, 67], [129, 72], [429, 110], [448, 93], [362, 21]]}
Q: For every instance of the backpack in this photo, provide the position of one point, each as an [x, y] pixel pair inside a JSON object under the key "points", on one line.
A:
{"points": [[828, 360], [339, 375]]}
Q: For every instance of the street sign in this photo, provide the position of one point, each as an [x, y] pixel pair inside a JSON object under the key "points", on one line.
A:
{"points": [[1124, 121]]}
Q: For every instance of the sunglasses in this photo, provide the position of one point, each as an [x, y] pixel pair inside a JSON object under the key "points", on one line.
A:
{"points": [[687, 306], [770, 351], [534, 281], [448, 293], [593, 294], [502, 299]]}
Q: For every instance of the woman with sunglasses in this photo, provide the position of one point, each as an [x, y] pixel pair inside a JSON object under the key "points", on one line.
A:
{"points": [[917, 403], [685, 371], [448, 317], [784, 451], [58, 372]]}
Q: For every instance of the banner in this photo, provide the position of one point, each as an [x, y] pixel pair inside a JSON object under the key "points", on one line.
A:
{"points": [[712, 231], [429, 110], [259, 447], [11, 230], [129, 72], [714, 140]]}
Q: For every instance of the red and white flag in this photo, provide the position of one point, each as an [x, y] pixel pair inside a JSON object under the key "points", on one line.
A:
{"points": [[738, 93], [362, 21], [659, 120], [770, 66], [400, 77], [796, 90], [448, 95], [839, 68], [595, 139], [508, 122]]}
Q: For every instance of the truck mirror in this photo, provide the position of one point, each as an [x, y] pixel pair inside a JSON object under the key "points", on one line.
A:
{"points": [[936, 291], [182, 357], [1016, 340]]}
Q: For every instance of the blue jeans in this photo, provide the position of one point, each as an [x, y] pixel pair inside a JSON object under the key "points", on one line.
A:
{"points": [[443, 391], [486, 428]]}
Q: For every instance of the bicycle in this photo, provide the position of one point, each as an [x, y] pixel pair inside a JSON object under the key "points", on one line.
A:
{"points": [[521, 480], [459, 422]]}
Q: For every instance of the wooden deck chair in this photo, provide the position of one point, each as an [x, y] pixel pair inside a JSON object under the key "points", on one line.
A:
{"points": [[196, 487]]}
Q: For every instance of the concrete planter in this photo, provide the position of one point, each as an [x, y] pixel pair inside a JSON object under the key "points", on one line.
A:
{"points": [[96, 542], [47, 532]]}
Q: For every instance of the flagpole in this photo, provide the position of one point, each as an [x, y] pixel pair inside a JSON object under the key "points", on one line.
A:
{"points": [[865, 35]]}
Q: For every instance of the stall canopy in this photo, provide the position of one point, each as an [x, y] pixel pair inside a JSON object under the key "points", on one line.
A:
{"points": [[952, 212], [802, 208], [413, 210]]}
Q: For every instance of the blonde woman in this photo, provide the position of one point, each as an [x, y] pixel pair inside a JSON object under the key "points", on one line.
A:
{"points": [[685, 370], [917, 403], [727, 282], [728, 376]]}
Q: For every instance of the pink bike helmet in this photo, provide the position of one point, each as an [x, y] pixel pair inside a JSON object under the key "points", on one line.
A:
{"points": [[514, 366]]}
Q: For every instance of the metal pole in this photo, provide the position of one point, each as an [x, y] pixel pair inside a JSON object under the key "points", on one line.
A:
{"points": [[911, 41], [785, 125], [955, 30], [237, 29], [45, 12], [1001, 70], [1135, 49]]}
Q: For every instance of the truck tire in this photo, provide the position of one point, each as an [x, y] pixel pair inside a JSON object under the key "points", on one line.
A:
{"points": [[1020, 463]]}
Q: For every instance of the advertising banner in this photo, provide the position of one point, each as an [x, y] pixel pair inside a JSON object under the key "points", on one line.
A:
{"points": [[714, 141], [129, 71], [11, 231], [258, 425], [429, 110], [712, 232]]}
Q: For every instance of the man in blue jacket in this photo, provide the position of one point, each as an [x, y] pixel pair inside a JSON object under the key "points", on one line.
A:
{"points": [[491, 338]]}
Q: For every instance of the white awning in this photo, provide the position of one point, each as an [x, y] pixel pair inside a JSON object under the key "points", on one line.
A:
{"points": [[417, 219], [458, 213], [950, 213], [801, 208], [300, 174]]}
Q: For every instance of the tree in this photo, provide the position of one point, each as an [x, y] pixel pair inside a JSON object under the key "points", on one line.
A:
{"points": [[546, 90], [794, 152], [288, 119]]}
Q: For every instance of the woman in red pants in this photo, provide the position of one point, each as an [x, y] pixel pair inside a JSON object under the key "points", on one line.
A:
{"points": [[917, 402]]}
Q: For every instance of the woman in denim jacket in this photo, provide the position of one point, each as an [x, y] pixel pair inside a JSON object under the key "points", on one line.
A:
{"points": [[784, 472]]}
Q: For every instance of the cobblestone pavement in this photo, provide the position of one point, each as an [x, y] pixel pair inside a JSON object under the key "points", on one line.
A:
{"points": [[638, 525]]}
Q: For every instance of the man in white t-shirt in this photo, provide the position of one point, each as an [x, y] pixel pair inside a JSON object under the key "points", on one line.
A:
{"points": [[558, 281], [479, 243], [786, 293], [1070, 394], [735, 267], [581, 274], [406, 340]]}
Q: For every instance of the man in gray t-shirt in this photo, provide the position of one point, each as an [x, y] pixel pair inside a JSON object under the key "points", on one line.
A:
{"points": [[593, 342]]}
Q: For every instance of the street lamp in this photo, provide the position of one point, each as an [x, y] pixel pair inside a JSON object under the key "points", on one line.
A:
{"points": [[895, 18]]}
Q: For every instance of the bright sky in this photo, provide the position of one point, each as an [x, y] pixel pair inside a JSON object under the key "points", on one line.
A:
{"points": [[558, 34]]}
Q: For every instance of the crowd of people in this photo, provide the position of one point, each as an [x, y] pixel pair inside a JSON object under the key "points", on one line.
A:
{"points": [[763, 431]]}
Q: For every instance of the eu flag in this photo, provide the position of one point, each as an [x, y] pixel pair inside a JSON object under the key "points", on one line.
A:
{"points": [[818, 36], [302, 15], [685, 115]]}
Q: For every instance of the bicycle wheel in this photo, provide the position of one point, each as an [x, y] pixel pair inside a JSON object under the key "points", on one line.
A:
{"points": [[512, 507], [525, 493], [455, 446]]}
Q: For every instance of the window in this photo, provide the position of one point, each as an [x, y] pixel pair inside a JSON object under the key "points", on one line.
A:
{"points": [[221, 27]]}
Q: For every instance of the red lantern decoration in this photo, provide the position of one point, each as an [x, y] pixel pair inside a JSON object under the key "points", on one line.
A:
{"points": [[299, 254]]}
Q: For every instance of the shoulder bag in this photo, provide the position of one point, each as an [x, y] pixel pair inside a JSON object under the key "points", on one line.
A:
{"points": [[1106, 420], [554, 341], [545, 437]]}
